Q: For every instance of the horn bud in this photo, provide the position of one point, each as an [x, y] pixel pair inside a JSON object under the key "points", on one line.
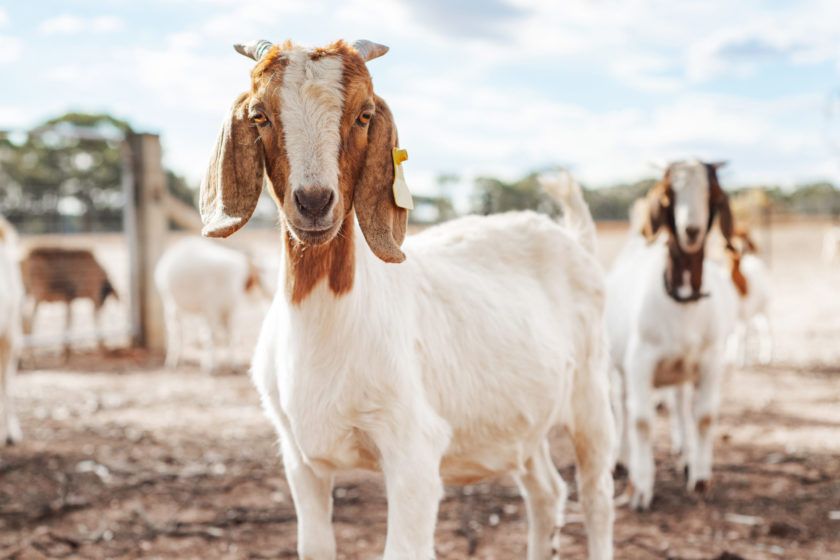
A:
{"points": [[254, 49], [369, 50]]}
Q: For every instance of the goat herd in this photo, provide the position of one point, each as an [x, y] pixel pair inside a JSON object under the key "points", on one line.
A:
{"points": [[449, 355]]}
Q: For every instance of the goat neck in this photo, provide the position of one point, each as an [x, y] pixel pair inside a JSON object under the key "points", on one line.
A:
{"points": [[678, 263], [307, 265]]}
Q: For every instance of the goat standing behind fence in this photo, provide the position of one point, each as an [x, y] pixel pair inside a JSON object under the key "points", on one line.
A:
{"points": [[58, 274]]}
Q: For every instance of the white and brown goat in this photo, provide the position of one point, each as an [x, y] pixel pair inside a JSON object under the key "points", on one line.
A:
{"points": [[453, 365], [752, 281], [669, 314], [11, 336]]}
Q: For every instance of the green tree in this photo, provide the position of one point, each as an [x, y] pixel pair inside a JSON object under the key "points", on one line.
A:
{"points": [[67, 175]]}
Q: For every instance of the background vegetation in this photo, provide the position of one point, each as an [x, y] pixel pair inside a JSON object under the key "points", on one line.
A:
{"points": [[65, 176]]}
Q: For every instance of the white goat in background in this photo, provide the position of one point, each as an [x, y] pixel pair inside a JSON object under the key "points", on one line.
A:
{"points": [[453, 365], [752, 282], [11, 335], [200, 279], [669, 314]]}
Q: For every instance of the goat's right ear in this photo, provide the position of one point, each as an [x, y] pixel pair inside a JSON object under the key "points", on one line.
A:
{"points": [[658, 206], [383, 223], [233, 183]]}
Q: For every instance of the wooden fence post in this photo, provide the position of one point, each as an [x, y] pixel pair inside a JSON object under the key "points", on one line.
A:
{"points": [[146, 227]]}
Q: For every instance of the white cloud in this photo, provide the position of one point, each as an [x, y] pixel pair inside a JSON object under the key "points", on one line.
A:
{"points": [[11, 49], [4, 18], [800, 34], [68, 25]]}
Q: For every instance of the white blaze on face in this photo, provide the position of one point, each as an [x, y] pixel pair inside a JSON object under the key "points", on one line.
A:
{"points": [[690, 184], [312, 102]]}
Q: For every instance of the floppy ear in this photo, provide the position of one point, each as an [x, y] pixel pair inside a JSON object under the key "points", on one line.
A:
{"points": [[382, 221], [233, 183], [659, 206], [719, 203]]}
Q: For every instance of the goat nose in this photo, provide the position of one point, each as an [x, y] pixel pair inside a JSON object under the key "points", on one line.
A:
{"points": [[692, 232], [313, 202]]}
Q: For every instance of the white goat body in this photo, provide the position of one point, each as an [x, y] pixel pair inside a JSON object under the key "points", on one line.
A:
{"points": [[11, 336], [487, 336], [199, 278], [656, 342]]}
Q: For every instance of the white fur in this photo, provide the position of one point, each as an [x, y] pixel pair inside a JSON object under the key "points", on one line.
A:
{"points": [[200, 278], [11, 337], [451, 366], [752, 311], [647, 328], [831, 245], [312, 100]]}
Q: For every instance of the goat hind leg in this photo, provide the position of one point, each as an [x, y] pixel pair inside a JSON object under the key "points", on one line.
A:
{"points": [[593, 435], [545, 494]]}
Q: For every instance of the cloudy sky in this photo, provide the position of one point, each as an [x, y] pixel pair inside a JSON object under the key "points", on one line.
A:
{"points": [[502, 87]]}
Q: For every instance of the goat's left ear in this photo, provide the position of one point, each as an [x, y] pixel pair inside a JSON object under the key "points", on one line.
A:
{"points": [[382, 221], [720, 202]]}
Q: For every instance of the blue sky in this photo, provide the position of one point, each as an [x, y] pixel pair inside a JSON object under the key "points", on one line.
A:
{"points": [[493, 87]]}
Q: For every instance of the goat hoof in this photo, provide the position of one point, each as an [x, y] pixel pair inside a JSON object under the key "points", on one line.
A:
{"points": [[640, 501], [702, 487]]}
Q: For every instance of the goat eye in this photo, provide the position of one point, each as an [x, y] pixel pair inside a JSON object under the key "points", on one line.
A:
{"points": [[259, 118], [365, 117]]}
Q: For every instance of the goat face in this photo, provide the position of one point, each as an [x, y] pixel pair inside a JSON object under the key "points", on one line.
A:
{"points": [[685, 201], [312, 125]]}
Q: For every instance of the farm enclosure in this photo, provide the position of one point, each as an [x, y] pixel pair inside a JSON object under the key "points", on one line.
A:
{"points": [[123, 459]]}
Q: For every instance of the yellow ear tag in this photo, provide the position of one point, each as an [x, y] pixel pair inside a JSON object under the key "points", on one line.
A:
{"points": [[402, 196]]}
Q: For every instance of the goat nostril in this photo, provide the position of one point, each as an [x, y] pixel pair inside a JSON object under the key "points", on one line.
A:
{"points": [[314, 202], [692, 232]]}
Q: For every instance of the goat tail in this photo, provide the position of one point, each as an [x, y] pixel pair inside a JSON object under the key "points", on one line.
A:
{"points": [[576, 216]]}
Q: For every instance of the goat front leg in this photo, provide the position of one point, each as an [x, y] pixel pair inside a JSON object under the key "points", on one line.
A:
{"points": [[312, 495], [639, 367], [545, 499], [411, 464], [9, 427], [704, 411], [174, 335], [681, 418], [765, 339]]}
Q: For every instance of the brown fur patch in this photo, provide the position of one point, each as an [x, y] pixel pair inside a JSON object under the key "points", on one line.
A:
{"points": [[738, 277], [704, 424], [307, 265]]}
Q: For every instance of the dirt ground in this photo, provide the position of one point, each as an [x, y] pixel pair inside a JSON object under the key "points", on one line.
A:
{"points": [[124, 459]]}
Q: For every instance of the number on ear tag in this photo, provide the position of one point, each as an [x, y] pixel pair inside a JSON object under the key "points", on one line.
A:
{"points": [[402, 196]]}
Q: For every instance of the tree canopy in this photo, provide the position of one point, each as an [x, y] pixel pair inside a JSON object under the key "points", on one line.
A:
{"points": [[66, 175]]}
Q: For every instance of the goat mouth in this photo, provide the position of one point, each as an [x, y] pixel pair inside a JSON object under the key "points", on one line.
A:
{"points": [[313, 235], [690, 248]]}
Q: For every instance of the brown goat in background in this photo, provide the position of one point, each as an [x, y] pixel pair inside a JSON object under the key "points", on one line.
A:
{"points": [[56, 274]]}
